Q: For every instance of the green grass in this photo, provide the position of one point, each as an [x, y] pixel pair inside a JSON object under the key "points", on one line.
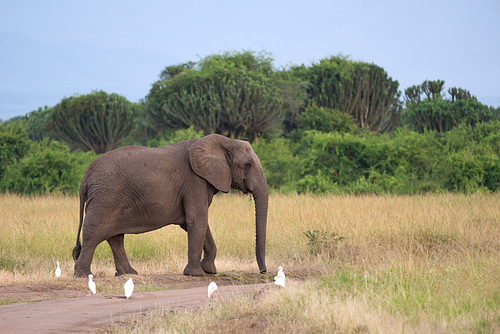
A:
{"points": [[446, 292]]}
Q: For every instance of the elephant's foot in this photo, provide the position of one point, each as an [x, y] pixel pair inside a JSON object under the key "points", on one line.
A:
{"points": [[131, 271], [125, 269], [208, 266], [82, 273], [194, 271]]}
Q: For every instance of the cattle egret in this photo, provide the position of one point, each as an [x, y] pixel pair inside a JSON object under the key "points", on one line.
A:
{"points": [[92, 284], [58, 270], [280, 279], [128, 287], [211, 288]]}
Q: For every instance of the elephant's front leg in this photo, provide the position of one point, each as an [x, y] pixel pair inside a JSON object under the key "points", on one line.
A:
{"points": [[209, 253], [196, 230]]}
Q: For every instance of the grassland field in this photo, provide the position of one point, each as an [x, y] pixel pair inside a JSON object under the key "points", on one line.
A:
{"points": [[392, 264]]}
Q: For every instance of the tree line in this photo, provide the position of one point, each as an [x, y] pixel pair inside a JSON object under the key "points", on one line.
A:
{"points": [[337, 125]]}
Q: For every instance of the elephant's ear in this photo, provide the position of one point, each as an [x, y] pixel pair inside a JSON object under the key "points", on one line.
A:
{"points": [[207, 157]]}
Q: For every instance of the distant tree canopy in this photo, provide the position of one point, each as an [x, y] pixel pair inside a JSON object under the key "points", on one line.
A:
{"points": [[362, 90], [234, 94], [339, 119], [36, 122], [93, 122], [435, 112]]}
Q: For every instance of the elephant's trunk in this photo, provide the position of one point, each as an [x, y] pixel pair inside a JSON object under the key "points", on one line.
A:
{"points": [[261, 197]]}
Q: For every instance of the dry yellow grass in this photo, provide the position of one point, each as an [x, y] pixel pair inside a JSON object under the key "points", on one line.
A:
{"points": [[433, 261]]}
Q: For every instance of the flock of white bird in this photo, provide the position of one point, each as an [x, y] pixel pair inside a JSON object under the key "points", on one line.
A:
{"points": [[128, 287]]}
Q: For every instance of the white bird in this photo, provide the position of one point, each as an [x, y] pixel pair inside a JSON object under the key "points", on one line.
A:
{"points": [[92, 286], [128, 287], [211, 289], [280, 279], [58, 270]]}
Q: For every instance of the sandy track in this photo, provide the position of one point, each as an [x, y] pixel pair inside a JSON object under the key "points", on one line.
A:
{"points": [[88, 314]]}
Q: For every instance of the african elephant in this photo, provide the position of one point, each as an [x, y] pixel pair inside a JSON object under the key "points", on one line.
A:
{"points": [[137, 189]]}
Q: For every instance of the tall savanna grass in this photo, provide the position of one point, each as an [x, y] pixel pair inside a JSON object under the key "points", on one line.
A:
{"points": [[426, 263]]}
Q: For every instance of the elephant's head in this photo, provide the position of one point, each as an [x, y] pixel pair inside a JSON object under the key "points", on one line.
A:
{"points": [[227, 163]]}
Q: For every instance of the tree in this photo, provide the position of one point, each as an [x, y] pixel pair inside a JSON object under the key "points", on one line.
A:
{"points": [[459, 94], [234, 94], [437, 113], [359, 89], [93, 122], [35, 123]]}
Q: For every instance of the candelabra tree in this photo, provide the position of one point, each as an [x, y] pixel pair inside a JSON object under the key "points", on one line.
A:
{"points": [[362, 90], [235, 94], [436, 112], [93, 122]]}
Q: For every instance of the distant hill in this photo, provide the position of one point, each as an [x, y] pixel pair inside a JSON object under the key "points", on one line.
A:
{"points": [[34, 74]]}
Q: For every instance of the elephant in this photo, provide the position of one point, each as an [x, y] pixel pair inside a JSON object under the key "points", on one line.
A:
{"points": [[136, 189]]}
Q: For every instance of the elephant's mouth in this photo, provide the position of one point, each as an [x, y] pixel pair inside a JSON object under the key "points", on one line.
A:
{"points": [[243, 187], [240, 186]]}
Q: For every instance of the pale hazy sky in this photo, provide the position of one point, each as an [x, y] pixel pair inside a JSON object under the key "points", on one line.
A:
{"points": [[52, 49]]}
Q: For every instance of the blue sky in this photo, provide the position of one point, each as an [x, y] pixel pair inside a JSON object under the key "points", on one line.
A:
{"points": [[53, 49]]}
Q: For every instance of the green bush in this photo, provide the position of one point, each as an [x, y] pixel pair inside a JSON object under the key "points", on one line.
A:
{"points": [[321, 242], [279, 163], [464, 160], [170, 137], [326, 120], [14, 144], [470, 170], [330, 161], [47, 168]]}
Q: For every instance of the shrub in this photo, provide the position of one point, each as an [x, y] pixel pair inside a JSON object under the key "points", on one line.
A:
{"points": [[321, 242], [48, 168], [169, 137], [14, 144], [279, 163], [326, 120]]}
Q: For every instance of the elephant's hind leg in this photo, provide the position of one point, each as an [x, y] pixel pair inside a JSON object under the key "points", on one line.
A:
{"points": [[209, 253], [121, 261], [82, 265]]}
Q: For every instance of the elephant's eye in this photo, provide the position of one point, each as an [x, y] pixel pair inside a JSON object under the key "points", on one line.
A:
{"points": [[248, 165]]}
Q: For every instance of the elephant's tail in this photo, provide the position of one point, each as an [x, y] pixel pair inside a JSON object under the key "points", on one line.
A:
{"points": [[83, 200]]}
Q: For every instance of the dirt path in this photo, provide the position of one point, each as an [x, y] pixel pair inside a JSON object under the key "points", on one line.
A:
{"points": [[65, 306], [88, 314]]}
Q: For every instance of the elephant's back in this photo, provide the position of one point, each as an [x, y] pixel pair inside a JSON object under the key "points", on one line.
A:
{"points": [[138, 161], [137, 183], [132, 167]]}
